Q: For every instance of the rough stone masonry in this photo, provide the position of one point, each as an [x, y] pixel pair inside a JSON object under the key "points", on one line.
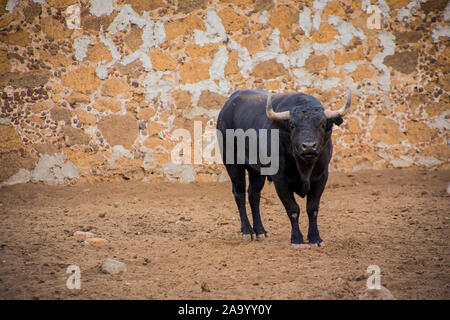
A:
{"points": [[96, 99]]}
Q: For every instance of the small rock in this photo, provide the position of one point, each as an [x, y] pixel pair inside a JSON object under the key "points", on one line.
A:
{"points": [[83, 235], [205, 287], [96, 241], [376, 294], [116, 204], [361, 276], [102, 215], [112, 266]]}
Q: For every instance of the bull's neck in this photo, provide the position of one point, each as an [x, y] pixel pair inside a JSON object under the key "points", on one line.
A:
{"points": [[304, 170]]}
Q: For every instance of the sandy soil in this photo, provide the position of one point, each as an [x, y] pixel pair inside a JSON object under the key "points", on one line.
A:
{"points": [[177, 239]]}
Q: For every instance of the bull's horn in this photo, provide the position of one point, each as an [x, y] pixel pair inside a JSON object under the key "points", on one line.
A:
{"points": [[284, 115], [341, 112]]}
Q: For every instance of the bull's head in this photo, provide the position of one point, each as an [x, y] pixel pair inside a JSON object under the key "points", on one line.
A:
{"points": [[309, 127]]}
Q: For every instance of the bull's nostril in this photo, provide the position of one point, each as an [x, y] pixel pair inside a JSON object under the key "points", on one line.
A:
{"points": [[309, 145]]}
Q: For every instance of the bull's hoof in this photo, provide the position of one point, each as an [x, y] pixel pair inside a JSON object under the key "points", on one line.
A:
{"points": [[248, 236], [317, 244], [315, 240], [261, 237], [301, 245]]}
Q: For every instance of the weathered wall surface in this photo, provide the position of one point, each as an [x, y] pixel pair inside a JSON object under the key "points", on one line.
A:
{"points": [[100, 102]]}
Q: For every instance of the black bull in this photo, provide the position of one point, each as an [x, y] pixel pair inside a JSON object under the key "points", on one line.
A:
{"points": [[304, 153]]}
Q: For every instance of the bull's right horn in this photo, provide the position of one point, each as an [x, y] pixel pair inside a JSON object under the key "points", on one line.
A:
{"points": [[341, 112], [284, 115]]}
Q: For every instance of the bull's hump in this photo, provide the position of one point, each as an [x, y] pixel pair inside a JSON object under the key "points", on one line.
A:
{"points": [[258, 98], [249, 101], [250, 96]]}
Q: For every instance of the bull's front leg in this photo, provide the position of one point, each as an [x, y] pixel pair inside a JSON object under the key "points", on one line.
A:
{"points": [[293, 211], [312, 208]]}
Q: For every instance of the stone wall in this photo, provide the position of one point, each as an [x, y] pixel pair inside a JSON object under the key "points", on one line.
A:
{"points": [[92, 90]]}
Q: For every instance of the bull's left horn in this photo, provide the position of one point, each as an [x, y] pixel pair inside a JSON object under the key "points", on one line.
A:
{"points": [[341, 112], [284, 115]]}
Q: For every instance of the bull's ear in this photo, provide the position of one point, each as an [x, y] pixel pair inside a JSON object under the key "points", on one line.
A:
{"points": [[334, 120]]}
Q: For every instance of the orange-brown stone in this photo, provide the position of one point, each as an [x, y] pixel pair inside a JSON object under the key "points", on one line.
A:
{"points": [[269, 69], [208, 50], [283, 18], [183, 26], [418, 132], [133, 39], [119, 130], [162, 60], [145, 113], [5, 66], [252, 43], [232, 64], [194, 71], [397, 4], [98, 52], [144, 5], [55, 29], [387, 131], [363, 71], [344, 57], [183, 99], [85, 117], [334, 8], [83, 80], [104, 104], [61, 4], [231, 20], [316, 63], [326, 33], [211, 100], [19, 38], [114, 87]]}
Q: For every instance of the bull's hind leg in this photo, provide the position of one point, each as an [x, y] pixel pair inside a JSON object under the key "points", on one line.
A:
{"points": [[237, 176], [256, 183]]}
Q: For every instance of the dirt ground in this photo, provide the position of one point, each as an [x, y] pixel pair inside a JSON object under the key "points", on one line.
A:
{"points": [[182, 241]]}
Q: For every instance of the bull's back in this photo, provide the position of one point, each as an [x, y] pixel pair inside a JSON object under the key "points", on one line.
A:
{"points": [[244, 109]]}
